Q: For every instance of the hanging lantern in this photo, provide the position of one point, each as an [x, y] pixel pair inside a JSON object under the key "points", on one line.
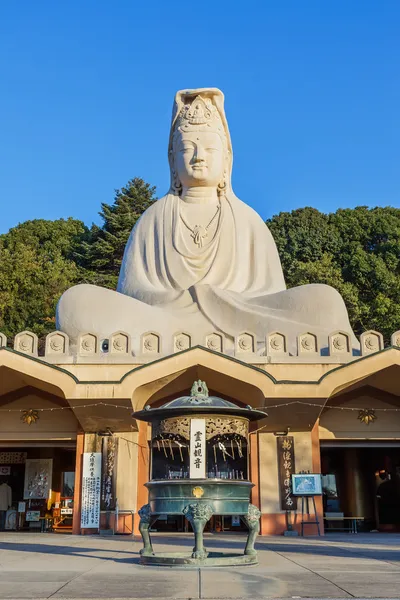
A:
{"points": [[30, 416], [367, 416]]}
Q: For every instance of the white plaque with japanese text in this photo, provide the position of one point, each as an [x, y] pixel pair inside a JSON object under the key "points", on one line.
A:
{"points": [[197, 449], [91, 488]]}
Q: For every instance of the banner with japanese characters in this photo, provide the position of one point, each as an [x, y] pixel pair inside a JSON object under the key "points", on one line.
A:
{"points": [[286, 468], [91, 488], [197, 448], [109, 473]]}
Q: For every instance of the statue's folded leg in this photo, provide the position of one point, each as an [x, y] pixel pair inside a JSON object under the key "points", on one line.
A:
{"points": [[316, 304], [88, 308], [315, 307]]}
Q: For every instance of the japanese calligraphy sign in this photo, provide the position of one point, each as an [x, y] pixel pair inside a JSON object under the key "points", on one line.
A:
{"points": [[109, 471], [197, 448], [286, 468], [91, 488]]}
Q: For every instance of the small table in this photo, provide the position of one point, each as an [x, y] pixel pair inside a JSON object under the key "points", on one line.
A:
{"points": [[352, 523]]}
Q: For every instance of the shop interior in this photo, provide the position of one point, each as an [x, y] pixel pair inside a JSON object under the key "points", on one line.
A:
{"points": [[361, 481], [42, 482]]}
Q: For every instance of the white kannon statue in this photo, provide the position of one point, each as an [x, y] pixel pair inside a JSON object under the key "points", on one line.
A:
{"points": [[199, 260]]}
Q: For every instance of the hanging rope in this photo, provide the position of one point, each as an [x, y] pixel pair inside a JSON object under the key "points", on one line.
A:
{"points": [[321, 406], [262, 408], [68, 407]]}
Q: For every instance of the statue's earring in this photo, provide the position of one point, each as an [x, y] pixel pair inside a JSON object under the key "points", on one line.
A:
{"points": [[222, 185]]}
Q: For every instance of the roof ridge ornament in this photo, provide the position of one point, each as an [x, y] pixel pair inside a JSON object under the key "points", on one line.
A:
{"points": [[199, 393]]}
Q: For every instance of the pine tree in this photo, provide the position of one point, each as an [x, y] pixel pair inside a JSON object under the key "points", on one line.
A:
{"points": [[102, 252]]}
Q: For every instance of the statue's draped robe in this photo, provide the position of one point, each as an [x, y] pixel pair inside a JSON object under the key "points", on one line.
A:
{"points": [[235, 280]]}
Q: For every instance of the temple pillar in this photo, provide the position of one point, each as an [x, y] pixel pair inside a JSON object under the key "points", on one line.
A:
{"points": [[355, 485], [316, 467], [307, 458], [143, 473], [76, 519], [254, 469]]}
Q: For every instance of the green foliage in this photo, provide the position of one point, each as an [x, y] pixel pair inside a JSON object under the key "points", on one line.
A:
{"points": [[357, 251], [102, 251], [36, 267]]}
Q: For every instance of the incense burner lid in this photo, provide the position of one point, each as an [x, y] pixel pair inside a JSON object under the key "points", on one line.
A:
{"points": [[198, 402]]}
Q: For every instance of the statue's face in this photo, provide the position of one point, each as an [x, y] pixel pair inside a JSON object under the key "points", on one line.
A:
{"points": [[199, 158]]}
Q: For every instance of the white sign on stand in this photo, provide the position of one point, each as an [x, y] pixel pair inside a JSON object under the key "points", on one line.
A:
{"points": [[91, 488], [197, 449]]}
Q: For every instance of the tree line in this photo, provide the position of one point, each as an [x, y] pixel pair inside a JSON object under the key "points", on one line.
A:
{"points": [[357, 251]]}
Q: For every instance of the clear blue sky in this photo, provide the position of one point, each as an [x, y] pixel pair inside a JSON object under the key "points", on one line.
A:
{"points": [[312, 97]]}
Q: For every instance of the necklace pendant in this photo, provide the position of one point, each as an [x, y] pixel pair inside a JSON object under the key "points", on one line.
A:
{"points": [[199, 234]]}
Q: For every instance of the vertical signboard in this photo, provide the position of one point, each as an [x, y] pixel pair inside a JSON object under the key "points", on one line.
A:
{"points": [[286, 468], [109, 471], [197, 448], [91, 487]]}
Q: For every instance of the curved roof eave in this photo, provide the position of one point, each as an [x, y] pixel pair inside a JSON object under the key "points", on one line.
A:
{"points": [[325, 386]]}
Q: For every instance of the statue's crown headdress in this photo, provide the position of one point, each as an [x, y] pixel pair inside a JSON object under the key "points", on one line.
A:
{"points": [[200, 109], [200, 113]]}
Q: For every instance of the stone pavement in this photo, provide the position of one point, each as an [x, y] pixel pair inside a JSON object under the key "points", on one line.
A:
{"points": [[34, 565]]}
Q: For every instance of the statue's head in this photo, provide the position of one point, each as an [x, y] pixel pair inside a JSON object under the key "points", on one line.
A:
{"points": [[200, 152]]}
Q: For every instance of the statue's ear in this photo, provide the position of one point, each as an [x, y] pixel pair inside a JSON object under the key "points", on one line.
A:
{"points": [[176, 186], [176, 183]]}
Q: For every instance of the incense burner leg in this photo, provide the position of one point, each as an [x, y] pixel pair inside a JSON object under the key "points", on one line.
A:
{"points": [[145, 521], [198, 514], [252, 521]]}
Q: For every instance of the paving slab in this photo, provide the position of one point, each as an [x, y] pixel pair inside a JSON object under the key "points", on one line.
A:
{"points": [[16, 590], [255, 583], [38, 566], [140, 583]]}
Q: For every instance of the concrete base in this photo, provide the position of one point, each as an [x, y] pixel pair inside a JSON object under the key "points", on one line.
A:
{"points": [[185, 560]]}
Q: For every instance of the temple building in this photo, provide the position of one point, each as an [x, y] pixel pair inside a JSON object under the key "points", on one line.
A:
{"points": [[341, 411], [201, 297]]}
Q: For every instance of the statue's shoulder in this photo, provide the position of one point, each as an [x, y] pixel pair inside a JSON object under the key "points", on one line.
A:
{"points": [[243, 209], [155, 211]]}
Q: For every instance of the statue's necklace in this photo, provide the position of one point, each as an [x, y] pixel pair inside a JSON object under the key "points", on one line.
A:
{"points": [[198, 232]]}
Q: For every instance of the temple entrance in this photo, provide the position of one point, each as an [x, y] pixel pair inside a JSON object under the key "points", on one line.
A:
{"points": [[361, 484], [38, 480]]}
